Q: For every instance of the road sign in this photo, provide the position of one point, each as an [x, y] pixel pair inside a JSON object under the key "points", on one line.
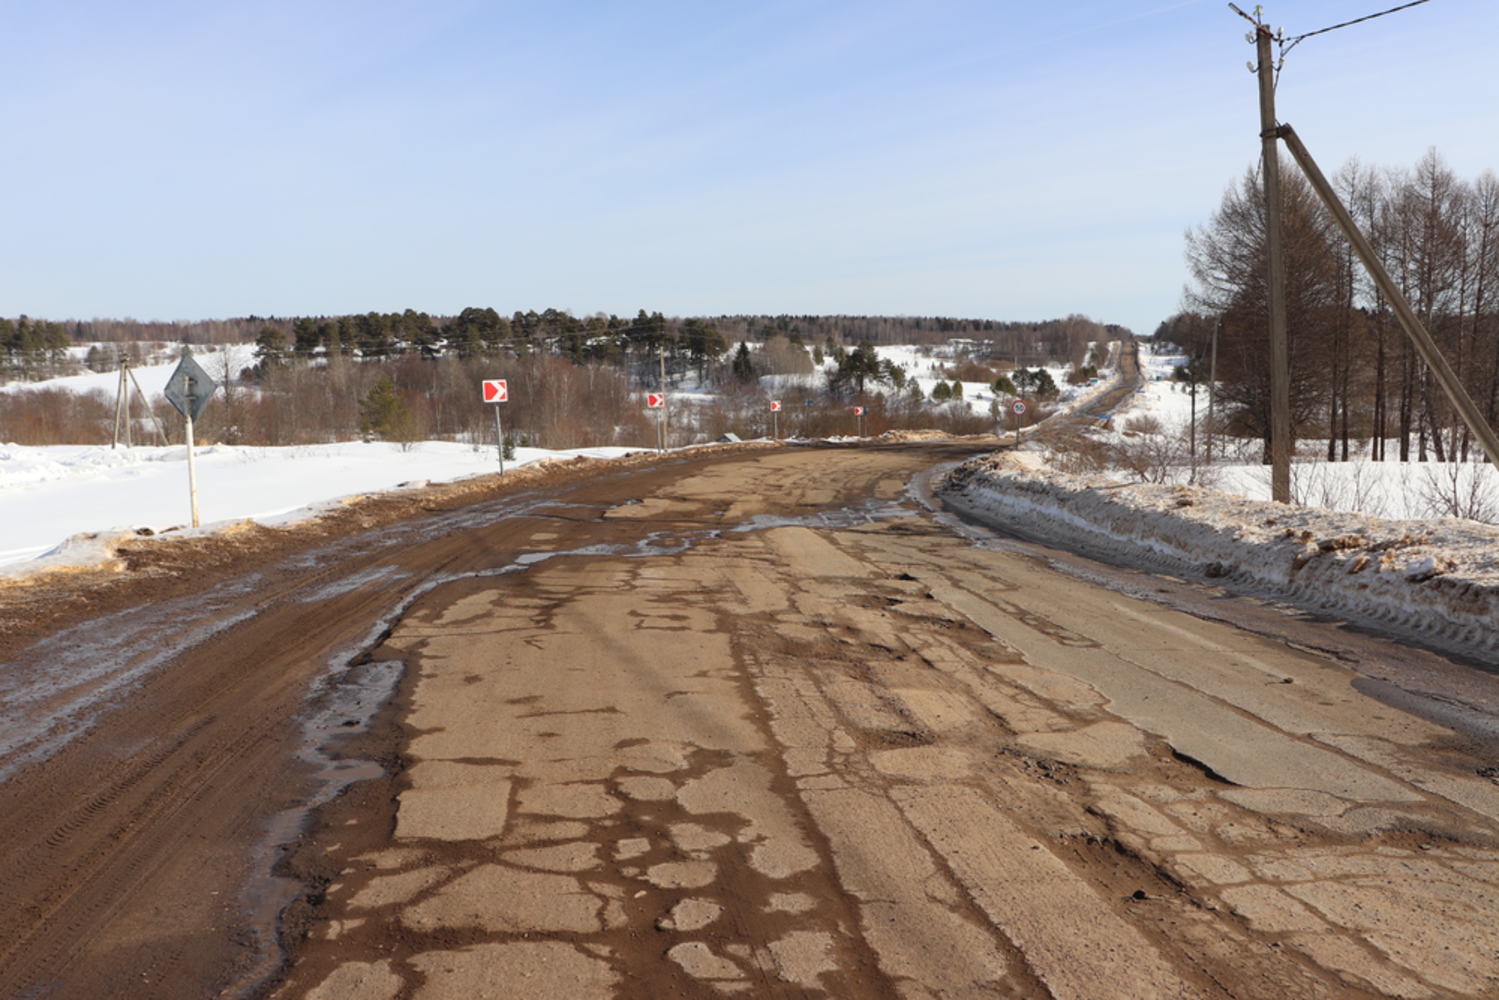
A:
{"points": [[1018, 407], [858, 411], [655, 400], [496, 391], [775, 406], [189, 389]]}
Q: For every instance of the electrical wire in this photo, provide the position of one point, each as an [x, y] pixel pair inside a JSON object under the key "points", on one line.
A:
{"points": [[1357, 20], [1287, 44]]}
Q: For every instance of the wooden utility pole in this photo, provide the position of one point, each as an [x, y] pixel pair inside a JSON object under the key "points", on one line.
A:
{"points": [[1280, 356], [122, 404]]}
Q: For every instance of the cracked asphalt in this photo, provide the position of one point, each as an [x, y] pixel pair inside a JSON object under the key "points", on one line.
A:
{"points": [[770, 727]]}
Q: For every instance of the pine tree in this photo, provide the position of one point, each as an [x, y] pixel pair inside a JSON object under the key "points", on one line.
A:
{"points": [[744, 365], [383, 413]]}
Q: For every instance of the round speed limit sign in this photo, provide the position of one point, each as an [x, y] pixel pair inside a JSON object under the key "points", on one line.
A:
{"points": [[1018, 407]]}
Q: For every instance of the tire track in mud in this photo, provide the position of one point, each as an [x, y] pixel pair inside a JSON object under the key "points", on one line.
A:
{"points": [[228, 739], [228, 703]]}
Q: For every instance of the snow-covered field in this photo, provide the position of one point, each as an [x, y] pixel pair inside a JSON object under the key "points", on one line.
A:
{"points": [[1405, 490], [62, 506], [51, 494]]}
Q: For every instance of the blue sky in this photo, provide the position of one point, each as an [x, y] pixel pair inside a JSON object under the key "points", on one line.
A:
{"points": [[181, 160]]}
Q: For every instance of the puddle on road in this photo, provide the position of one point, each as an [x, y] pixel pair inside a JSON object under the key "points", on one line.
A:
{"points": [[346, 705], [349, 584]]}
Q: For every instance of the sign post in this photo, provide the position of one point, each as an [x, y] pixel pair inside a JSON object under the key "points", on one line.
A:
{"points": [[657, 401], [859, 415], [496, 391], [775, 419], [1019, 409], [189, 390]]}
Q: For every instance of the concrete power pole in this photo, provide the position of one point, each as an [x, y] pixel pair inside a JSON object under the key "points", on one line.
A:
{"points": [[1280, 357], [1280, 382]]}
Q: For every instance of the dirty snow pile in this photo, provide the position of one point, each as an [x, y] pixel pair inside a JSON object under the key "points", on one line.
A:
{"points": [[1439, 576]]}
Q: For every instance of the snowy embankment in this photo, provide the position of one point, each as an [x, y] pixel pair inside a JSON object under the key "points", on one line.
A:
{"points": [[66, 506], [1439, 577]]}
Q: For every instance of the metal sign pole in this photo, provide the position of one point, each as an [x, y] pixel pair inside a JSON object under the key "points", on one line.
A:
{"points": [[497, 391], [499, 437], [190, 403], [663, 396], [192, 471]]}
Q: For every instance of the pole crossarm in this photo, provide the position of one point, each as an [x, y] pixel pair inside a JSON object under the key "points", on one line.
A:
{"points": [[1425, 346]]}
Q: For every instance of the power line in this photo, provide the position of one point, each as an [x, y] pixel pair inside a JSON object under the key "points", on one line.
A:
{"points": [[1358, 20], [1285, 44]]}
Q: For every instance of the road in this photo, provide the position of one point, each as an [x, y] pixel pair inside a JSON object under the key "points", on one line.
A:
{"points": [[755, 723]]}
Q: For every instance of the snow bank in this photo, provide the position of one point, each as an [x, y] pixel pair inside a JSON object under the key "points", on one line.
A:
{"points": [[91, 496], [1439, 577]]}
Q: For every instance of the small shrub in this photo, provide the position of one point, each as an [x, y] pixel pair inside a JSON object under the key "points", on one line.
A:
{"points": [[1081, 455]]}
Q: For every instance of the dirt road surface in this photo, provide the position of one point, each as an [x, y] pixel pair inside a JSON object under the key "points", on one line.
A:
{"points": [[757, 724]]}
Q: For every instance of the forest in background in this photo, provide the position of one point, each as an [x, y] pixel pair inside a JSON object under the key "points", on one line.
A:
{"points": [[29, 345], [310, 380], [1356, 380]]}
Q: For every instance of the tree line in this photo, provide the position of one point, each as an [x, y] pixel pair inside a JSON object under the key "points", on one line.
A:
{"points": [[33, 348], [1355, 376], [1042, 342], [37, 348], [577, 377]]}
